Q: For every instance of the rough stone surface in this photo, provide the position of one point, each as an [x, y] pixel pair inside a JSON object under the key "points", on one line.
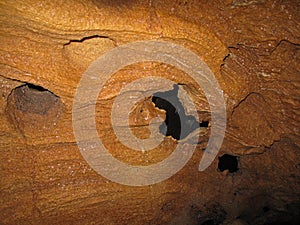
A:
{"points": [[252, 47]]}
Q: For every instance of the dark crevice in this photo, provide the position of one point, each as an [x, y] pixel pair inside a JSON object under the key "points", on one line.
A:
{"points": [[282, 42], [172, 125], [87, 38], [225, 58], [243, 100], [271, 50], [35, 87], [228, 162], [233, 47]]}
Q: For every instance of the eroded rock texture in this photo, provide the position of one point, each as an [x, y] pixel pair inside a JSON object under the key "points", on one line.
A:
{"points": [[252, 47]]}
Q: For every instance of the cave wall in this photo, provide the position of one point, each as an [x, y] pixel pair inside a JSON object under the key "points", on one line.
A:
{"points": [[252, 47]]}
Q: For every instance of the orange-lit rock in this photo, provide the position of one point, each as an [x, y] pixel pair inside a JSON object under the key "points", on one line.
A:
{"points": [[252, 47]]}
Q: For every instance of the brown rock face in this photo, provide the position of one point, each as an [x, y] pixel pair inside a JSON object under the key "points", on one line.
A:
{"points": [[251, 47]]}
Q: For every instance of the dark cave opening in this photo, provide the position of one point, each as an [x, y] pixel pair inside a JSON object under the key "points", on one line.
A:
{"points": [[228, 162], [173, 126]]}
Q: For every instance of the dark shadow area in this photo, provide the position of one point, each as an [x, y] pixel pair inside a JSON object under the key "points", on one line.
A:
{"points": [[208, 222], [228, 162], [173, 126], [204, 124], [35, 87]]}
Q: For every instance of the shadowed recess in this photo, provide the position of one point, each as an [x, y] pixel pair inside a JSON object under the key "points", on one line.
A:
{"points": [[170, 102], [34, 99], [228, 162]]}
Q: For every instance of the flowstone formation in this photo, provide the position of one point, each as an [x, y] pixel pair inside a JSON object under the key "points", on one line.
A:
{"points": [[251, 47]]}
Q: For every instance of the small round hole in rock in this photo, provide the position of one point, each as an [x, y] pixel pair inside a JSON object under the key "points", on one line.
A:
{"points": [[228, 162]]}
